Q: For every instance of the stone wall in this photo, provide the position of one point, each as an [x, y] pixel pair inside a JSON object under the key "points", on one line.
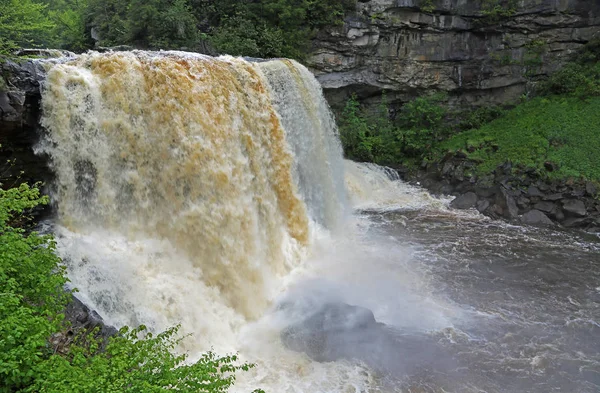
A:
{"points": [[393, 45]]}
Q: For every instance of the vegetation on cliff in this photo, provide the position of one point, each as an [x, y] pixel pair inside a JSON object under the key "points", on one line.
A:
{"points": [[266, 28], [32, 303], [555, 134]]}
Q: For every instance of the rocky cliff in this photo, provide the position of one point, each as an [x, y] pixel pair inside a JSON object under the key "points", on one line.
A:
{"points": [[20, 97], [481, 52]]}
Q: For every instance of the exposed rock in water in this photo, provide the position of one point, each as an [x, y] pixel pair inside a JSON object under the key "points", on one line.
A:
{"points": [[337, 331], [465, 201], [81, 320], [536, 218], [575, 208], [509, 193], [396, 46]]}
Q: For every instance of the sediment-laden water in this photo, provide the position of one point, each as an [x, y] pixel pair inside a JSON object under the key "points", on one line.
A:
{"points": [[211, 192]]}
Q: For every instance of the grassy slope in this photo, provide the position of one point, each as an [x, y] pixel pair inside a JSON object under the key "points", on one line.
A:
{"points": [[564, 131]]}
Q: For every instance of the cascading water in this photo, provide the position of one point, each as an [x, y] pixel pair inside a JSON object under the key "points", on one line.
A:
{"points": [[185, 149], [188, 187], [211, 193]]}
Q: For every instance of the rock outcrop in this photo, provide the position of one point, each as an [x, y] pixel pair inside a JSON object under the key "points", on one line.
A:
{"points": [[394, 45], [514, 194], [20, 83], [335, 331]]}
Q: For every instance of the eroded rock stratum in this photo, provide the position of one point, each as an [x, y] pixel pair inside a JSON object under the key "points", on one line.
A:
{"points": [[458, 48]]}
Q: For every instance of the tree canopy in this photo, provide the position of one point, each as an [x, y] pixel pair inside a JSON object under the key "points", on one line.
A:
{"points": [[260, 28]]}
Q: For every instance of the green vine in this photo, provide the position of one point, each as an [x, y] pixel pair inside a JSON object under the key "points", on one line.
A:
{"points": [[495, 10], [427, 6]]}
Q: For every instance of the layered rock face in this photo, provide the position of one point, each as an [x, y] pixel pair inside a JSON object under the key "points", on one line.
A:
{"points": [[19, 123], [458, 48]]}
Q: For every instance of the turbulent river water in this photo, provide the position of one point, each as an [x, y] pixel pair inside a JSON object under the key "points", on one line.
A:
{"points": [[208, 192]]}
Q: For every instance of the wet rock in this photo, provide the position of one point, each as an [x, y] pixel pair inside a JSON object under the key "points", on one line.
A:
{"points": [[485, 192], [81, 321], [483, 205], [465, 201], [545, 206], [553, 197], [550, 166], [536, 218], [575, 207], [82, 317], [523, 202], [337, 331], [507, 203], [19, 123], [578, 222], [312, 335], [590, 189]]}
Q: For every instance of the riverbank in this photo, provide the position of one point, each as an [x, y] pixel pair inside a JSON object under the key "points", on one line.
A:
{"points": [[513, 194]]}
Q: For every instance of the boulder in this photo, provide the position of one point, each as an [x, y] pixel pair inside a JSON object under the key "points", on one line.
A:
{"points": [[335, 331], [483, 205], [591, 189], [544, 206], [464, 201], [507, 203], [534, 192], [536, 218], [575, 207]]}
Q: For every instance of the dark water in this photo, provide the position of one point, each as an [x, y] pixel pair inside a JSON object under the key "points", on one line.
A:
{"points": [[531, 302]]}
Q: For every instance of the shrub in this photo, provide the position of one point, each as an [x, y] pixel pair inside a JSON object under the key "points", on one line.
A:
{"points": [[136, 361], [561, 130], [32, 300], [374, 137]]}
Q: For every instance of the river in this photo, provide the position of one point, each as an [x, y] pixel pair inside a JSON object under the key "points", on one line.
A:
{"points": [[212, 193]]}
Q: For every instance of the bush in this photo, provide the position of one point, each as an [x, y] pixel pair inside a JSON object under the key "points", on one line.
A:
{"points": [[130, 364], [32, 296], [22, 22], [32, 301], [374, 137], [580, 78], [561, 130]]}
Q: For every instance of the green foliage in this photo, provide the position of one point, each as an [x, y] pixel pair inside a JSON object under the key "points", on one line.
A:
{"points": [[427, 5], [31, 296], [355, 132], [271, 28], [69, 32], [22, 22], [136, 361], [580, 78], [424, 112], [32, 300], [154, 24], [478, 117], [561, 130], [238, 36], [496, 10], [374, 137], [266, 28]]}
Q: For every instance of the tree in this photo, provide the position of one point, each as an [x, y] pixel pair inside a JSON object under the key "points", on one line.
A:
{"points": [[22, 23]]}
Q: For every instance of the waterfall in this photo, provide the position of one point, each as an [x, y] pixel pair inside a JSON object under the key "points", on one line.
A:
{"points": [[202, 191], [209, 172]]}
